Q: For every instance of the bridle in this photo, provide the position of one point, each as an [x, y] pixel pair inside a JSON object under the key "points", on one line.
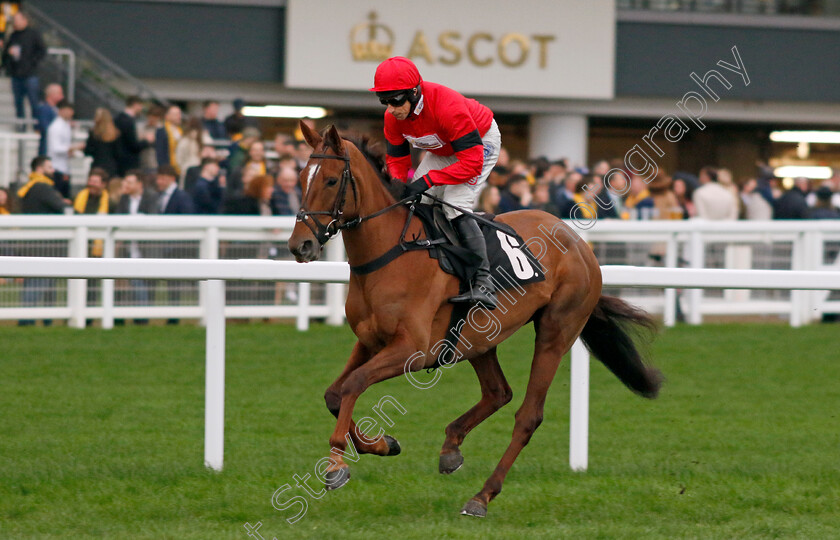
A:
{"points": [[324, 232]]}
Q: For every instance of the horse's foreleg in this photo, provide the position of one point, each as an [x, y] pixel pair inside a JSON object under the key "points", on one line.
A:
{"points": [[495, 393], [386, 364], [383, 446]]}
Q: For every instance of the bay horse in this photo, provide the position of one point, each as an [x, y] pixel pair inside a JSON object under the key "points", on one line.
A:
{"points": [[400, 311]]}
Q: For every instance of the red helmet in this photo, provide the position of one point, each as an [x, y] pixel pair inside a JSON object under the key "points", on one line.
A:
{"points": [[395, 73]]}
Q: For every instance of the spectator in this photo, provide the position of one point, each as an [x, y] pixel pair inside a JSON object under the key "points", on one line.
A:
{"points": [[504, 157], [4, 202], [684, 190], [208, 191], [285, 201], [129, 144], [713, 201], [255, 199], [488, 201], [171, 199], [189, 147], [601, 198], [287, 161], [167, 137], [662, 203], [94, 198], [238, 150], [284, 144], [637, 193], [210, 120], [756, 206], [517, 196], [135, 200], [585, 206], [792, 205], [60, 146], [237, 122], [724, 177], [601, 168], [542, 198], [302, 153], [38, 196], [103, 143], [255, 163], [564, 194], [822, 208], [193, 173], [46, 112], [24, 51], [618, 187], [148, 156]]}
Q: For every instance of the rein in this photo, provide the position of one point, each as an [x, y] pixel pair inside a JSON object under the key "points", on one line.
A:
{"points": [[324, 232]]}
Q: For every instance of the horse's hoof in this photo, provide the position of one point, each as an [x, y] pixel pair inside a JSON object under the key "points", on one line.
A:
{"points": [[336, 479], [451, 462], [474, 508], [393, 446]]}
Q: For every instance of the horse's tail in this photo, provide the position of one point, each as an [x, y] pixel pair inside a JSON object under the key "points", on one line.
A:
{"points": [[609, 334]]}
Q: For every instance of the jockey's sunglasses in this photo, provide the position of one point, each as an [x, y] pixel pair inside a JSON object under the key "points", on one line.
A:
{"points": [[396, 101]]}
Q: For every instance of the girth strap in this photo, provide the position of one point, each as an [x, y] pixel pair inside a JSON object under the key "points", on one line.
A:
{"points": [[393, 253]]}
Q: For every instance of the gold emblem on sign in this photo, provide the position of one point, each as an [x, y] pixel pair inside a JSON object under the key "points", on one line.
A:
{"points": [[371, 49]]}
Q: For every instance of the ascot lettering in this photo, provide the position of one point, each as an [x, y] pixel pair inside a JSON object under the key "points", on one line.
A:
{"points": [[481, 49]]}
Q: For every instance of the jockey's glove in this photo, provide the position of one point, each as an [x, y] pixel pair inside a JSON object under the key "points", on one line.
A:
{"points": [[418, 186]]}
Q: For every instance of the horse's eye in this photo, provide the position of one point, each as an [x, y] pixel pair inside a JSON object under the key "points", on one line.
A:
{"points": [[331, 181]]}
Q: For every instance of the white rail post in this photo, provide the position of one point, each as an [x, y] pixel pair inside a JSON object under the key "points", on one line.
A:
{"points": [[697, 255], [304, 300], [208, 249], [797, 262], [669, 314], [108, 252], [77, 288], [214, 388], [335, 291], [579, 408]]}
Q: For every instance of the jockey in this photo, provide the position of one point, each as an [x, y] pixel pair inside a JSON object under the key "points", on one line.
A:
{"points": [[462, 143]]}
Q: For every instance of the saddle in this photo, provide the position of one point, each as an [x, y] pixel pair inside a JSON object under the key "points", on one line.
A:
{"points": [[511, 262]]}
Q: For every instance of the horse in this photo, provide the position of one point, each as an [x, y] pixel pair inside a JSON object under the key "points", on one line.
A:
{"points": [[401, 315]]}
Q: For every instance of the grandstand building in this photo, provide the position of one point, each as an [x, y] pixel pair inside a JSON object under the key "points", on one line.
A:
{"points": [[689, 82]]}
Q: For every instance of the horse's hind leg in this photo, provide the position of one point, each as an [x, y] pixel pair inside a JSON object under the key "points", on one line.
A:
{"points": [[495, 393], [384, 446], [556, 331]]}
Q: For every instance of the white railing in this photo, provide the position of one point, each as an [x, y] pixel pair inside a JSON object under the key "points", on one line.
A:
{"points": [[804, 245], [811, 245], [215, 273], [208, 237]]}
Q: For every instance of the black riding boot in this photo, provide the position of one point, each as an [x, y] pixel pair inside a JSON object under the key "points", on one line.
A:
{"points": [[482, 288]]}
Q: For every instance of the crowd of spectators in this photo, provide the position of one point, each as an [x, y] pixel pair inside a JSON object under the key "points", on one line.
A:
{"points": [[166, 165], [606, 190]]}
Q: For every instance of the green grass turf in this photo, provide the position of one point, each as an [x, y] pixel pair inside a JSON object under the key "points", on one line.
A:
{"points": [[101, 435]]}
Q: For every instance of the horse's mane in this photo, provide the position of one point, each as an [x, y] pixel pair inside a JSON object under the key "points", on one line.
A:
{"points": [[374, 153]]}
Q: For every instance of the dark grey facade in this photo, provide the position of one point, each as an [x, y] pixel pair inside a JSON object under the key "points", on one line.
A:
{"points": [[653, 59], [179, 40]]}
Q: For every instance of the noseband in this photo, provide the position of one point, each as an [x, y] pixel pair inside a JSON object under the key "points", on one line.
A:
{"points": [[324, 232]]}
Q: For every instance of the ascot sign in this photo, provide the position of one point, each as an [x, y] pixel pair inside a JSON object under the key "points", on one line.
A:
{"points": [[548, 48], [513, 49]]}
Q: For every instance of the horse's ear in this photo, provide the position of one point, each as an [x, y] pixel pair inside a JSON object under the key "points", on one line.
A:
{"points": [[310, 135], [333, 140]]}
